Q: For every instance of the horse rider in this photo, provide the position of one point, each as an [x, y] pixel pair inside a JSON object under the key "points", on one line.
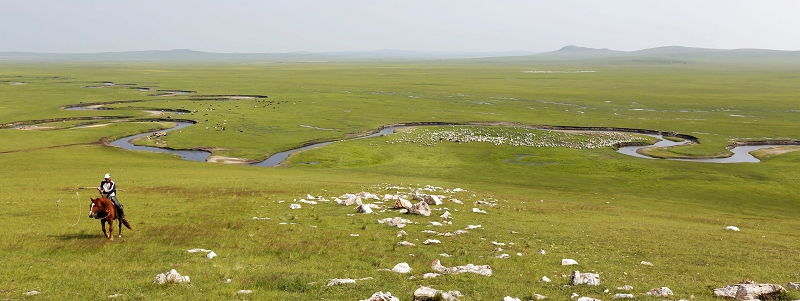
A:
{"points": [[109, 190]]}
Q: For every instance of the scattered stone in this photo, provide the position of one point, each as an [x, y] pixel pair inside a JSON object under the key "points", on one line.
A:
{"points": [[444, 255], [245, 292], [539, 297], [588, 299], [401, 233], [568, 261], [647, 263], [793, 285], [476, 210], [348, 199], [32, 293], [402, 204], [431, 241], [307, 202], [364, 208], [494, 243], [459, 232], [484, 270], [402, 268], [625, 288], [336, 281], [430, 232], [171, 277], [446, 215], [354, 234], [261, 218], [437, 224], [502, 256], [403, 211], [114, 296], [663, 292], [748, 291], [430, 275], [407, 244], [211, 255], [472, 227], [509, 298], [381, 296], [541, 251], [294, 206], [732, 228], [545, 279], [519, 254], [420, 208], [584, 278], [395, 222], [424, 293], [457, 201], [623, 296]]}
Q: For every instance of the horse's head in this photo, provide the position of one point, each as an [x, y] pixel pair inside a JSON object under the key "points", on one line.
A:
{"points": [[96, 208]]}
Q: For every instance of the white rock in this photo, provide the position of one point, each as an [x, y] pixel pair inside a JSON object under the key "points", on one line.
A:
{"points": [[294, 206], [494, 243], [577, 278], [198, 250], [568, 261], [431, 241], [446, 215], [625, 288], [171, 277], [747, 291], [732, 228], [509, 298], [402, 268], [420, 208], [401, 233], [364, 208], [519, 254], [457, 201], [647, 263], [476, 210], [405, 243], [245, 292], [588, 299], [472, 227], [793, 285], [501, 256], [114, 296], [545, 279], [437, 224], [424, 293], [354, 234], [663, 292], [430, 275], [307, 202], [539, 297], [336, 281], [211, 255], [541, 251], [444, 255], [402, 204], [484, 270], [32, 293], [623, 296], [381, 296]]}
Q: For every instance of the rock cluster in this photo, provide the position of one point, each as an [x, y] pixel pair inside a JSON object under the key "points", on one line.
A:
{"points": [[747, 290], [577, 278], [424, 293], [170, 277], [663, 292], [381, 296], [484, 270]]}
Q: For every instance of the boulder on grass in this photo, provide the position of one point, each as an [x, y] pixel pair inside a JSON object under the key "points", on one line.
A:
{"points": [[584, 278], [663, 292], [748, 291], [424, 293], [420, 208]]}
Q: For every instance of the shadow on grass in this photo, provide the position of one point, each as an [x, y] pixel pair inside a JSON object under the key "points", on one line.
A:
{"points": [[74, 236]]}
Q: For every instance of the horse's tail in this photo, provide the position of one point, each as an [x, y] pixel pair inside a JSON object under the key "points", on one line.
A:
{"points": [[124, 221]]}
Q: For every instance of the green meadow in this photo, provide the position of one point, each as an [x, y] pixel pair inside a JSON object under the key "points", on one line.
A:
{"points": [[608, 211]]}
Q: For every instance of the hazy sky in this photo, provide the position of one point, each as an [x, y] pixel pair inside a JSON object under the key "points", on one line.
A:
{"points": [[434, 25]]}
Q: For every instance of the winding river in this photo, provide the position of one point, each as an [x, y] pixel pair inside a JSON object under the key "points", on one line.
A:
{"points": [[741, 154]]}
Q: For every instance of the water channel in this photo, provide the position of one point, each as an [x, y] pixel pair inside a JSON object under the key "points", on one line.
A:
{"points": [[741, 154]]}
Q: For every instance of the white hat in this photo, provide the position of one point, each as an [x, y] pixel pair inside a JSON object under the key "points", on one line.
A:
{"points": [[108, 175]]}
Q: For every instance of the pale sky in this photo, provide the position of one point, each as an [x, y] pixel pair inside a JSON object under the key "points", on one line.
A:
{"points": [[79, 26]]}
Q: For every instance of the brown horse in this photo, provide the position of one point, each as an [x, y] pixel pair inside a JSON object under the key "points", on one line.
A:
{"points": [[104, 210]]}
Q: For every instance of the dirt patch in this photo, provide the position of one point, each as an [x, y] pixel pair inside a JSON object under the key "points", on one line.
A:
{"points": [[227, 160], [774, 151]]}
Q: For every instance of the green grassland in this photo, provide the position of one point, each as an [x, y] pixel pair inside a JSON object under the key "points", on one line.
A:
{"points": [[606, 210]]}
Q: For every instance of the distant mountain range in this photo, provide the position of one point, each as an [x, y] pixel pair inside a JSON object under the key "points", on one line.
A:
{"points": [[565, 53]]}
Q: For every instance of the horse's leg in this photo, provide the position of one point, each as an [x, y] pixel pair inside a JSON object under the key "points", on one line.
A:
{"points": [[111, 229], [103, 226], [119, 225]]}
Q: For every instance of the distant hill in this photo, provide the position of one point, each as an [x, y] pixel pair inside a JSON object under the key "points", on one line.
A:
{"points": [[192, 55], [571, 52]]}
